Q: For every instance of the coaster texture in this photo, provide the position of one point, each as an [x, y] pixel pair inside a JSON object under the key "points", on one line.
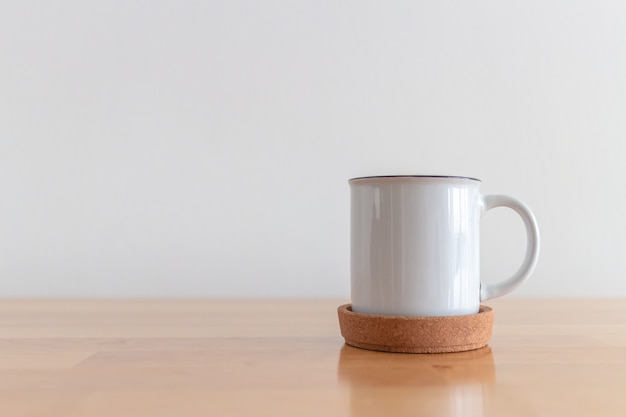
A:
{"points": [[405, 334]]}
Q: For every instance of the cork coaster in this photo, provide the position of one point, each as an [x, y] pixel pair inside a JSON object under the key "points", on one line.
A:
{"points": [[416, 334]]}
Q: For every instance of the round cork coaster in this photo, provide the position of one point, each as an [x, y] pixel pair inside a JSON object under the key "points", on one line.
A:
{"points": [[405, 334]]}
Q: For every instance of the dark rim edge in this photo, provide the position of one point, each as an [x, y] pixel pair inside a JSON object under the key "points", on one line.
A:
{"points": [[415, 176]]}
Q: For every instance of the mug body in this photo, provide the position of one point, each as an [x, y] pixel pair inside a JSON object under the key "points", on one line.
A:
{"points": [[415, 245]]}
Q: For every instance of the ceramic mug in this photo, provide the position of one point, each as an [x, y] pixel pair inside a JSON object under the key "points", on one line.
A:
{"points": [[415, 245]]}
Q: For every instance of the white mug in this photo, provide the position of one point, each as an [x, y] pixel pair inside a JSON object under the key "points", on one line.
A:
{"points": [[415, 245]]}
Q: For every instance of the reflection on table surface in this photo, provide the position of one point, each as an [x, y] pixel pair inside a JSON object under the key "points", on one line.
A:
{"points": [[446, 385]]}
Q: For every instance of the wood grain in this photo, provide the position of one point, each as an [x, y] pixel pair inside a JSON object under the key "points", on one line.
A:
{"points": [[286, 358]]}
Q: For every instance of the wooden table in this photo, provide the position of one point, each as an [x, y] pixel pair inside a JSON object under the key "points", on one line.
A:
{"points": [[286, 358]]}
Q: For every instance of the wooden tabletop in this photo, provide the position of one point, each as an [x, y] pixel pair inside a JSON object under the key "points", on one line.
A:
{"points": [[286, 358]]}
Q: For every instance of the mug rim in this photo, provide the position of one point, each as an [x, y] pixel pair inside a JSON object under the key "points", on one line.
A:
{"points": [[414, 176]]}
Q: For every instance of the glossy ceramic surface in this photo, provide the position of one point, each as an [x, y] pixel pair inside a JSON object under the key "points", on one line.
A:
{"points": [[415, 248]]}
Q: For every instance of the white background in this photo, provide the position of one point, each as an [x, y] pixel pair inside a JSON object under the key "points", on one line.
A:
{"points": [[203, 148]]}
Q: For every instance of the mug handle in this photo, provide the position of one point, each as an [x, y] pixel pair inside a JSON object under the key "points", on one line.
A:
{"points": [[499, 289]]}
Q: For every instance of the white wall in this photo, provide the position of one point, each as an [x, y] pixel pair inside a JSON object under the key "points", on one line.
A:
{"points": [[202, 148]]}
